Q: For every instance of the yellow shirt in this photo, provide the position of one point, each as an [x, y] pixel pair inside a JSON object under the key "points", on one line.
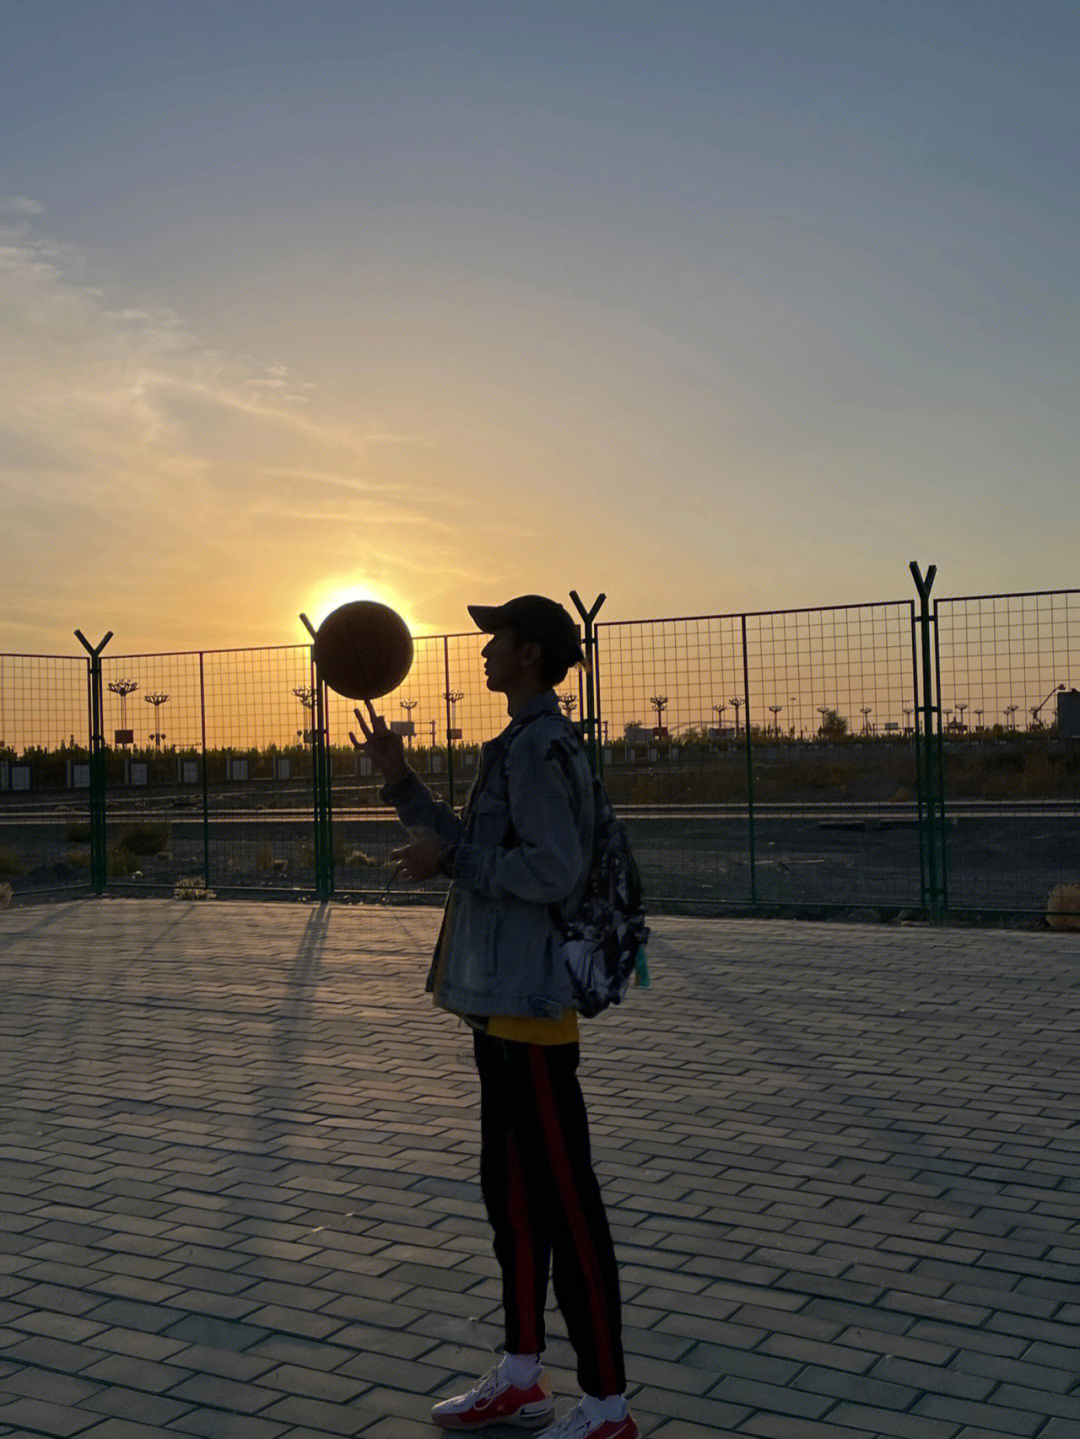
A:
{"points": [[535, 1031]]}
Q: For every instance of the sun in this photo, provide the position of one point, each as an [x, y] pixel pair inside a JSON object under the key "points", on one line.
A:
{"points": [[340, 592]]}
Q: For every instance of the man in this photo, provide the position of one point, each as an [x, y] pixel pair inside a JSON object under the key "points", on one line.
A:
{"points": [[521, 847]]}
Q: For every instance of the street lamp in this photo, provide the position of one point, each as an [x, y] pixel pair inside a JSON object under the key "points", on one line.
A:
{"points": [[157, 700], [736, 703], [1010, 712], [961, 706], [569, 703], [408, 706], [123, 688], [866, 711], [659, 704], [306, 695], [774, 710], [451, 697]]}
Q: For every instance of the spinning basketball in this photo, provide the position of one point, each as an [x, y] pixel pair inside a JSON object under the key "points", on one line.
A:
{"points": [[363, 650]]}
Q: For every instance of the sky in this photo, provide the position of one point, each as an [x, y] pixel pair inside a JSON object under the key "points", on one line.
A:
{"points": [[710, 306]]}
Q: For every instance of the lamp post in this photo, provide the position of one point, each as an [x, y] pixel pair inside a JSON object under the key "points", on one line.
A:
{"points": [[736, 702], [1010, 716], [774, 710], [157, 700], [408, 706], [569, 703], [659, 704], [451, 697], [123, 688], [866, 711], [306, 695], [961, 706]]}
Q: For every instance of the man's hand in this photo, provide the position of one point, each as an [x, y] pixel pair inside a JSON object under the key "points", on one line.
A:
{"points": [[383, 747], [420, 859]]}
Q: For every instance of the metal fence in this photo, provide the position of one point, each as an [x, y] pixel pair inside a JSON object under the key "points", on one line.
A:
{"points": [[876, 757]]}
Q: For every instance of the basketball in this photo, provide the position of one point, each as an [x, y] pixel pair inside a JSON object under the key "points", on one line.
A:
{"points": [[363, 650]]}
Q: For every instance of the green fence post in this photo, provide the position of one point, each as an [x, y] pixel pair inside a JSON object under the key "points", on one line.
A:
{"points": [[928, 768], [203, 767], [320, 779], [749, 768], [451, 698], [99, 853], [591, 713]]}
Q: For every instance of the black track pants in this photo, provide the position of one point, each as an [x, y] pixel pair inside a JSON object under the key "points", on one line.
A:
{"points": [[544, 1204]]}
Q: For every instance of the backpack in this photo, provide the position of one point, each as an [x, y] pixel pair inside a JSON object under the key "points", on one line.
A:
{"points": [[603, 942]]}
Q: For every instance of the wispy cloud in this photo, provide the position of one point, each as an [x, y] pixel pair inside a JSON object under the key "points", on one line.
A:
{"points": [[20, 205], [176, 492]]}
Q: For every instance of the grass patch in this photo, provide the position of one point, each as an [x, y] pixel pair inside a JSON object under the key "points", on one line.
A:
{"points": [[144, 839], [10, 862]]}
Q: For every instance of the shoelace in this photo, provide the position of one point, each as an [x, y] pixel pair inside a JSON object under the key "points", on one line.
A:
{"points": [[490, 1384], [573, 1425]]}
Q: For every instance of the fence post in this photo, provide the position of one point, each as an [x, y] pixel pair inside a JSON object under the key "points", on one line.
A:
{"points": [[450, 703], [320, 778], [591, 716], [203, 771], [99, 855], [749, 768], [927, 722]]}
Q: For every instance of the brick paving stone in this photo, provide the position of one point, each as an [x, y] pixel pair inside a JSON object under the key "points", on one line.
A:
{"points": [[217, 1424], [1006, 1418], [136, 1405], [887, 1424], [783, 1426], [41, 1417]]}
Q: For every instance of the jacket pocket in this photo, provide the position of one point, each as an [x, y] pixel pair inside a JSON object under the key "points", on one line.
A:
{"points": [[489, 820]]}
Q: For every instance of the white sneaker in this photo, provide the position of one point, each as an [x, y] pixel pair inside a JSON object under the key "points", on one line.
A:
{"points": [[494, 1400], [584, 1422]]}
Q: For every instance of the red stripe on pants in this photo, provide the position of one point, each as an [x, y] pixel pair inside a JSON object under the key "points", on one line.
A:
{"points": [[567, 1186]]}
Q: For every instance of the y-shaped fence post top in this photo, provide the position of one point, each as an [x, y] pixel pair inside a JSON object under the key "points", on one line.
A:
{"points": [[587, 615], [92, 649], [923, 584]]}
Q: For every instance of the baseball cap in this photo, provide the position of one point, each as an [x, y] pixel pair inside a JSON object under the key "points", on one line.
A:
{"points": [[536, 618]]}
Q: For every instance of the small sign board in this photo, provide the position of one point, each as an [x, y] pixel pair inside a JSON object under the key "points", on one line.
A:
{"points": [[20, 776], [403, 727], [238, 769], [124, 736], [453, 734]]}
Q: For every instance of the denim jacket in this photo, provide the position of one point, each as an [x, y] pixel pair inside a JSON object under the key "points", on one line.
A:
{"points": [[524, 840]]}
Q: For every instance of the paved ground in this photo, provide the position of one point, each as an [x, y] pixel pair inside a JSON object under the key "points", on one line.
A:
{"points": [[238, 1193]]}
